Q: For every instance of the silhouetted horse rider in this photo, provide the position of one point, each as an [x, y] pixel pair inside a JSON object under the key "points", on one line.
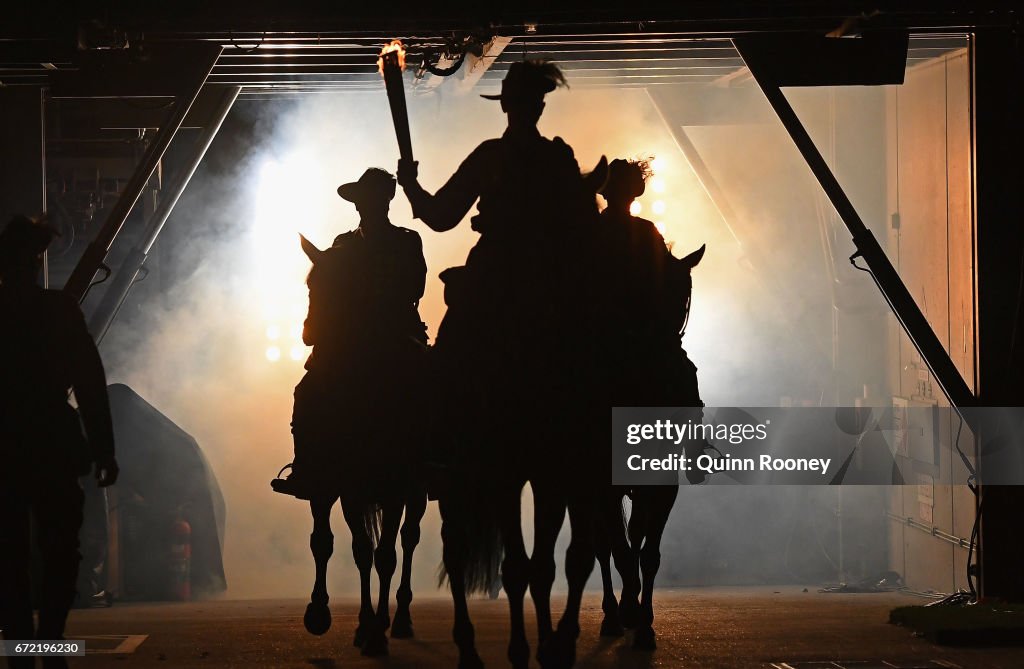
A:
{"points": [[367, 337], [645, 304], [508, 348], [45, 352], [357, 416]]}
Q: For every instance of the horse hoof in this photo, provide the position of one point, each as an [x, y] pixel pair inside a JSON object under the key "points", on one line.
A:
{"points": [[611, 626], [317, 619], [470, 660], [643, 639], [359, 639], [558, 651], [629, 612], [376, 645], [401, 628]]}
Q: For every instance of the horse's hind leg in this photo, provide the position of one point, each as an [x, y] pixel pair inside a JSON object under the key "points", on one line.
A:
{"points": [[321, 542], [415, 507], [650, 560], [453, 538], [362, 553]]}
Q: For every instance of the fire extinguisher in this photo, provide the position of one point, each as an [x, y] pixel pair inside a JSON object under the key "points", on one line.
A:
{"points": [[181, 559]]}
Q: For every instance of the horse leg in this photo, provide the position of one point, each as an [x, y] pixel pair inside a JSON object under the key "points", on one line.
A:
{"points": [[453, 553], [609, 524], [321, 542], [636, 529], [415, 507], [548, 516], [661, 505], [515, 572], [384, 560], [579, 564], [362, 553]]}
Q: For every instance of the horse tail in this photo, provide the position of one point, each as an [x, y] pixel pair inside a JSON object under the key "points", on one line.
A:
{"points": [[372, 515], [472, 528]]}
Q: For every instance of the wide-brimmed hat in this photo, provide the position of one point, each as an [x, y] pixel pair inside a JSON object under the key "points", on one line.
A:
{"points": [[375, 184], [528, 79], [22, 239]]}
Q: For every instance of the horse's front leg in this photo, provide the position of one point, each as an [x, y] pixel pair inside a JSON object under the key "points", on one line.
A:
{"points": [[362, 553], [661, 505], [415, 507], [453, 538], [629, 602], [579, 563], [385, 560], [515, 569], [610, 531], [321, 542], [548, 516]]}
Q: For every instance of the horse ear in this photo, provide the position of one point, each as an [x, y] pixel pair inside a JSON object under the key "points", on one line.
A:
{"points": [[597, 177], [694, 258], [310, 249]]}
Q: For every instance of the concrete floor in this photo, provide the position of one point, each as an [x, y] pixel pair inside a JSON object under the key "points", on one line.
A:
{"points": [[699, 627]]}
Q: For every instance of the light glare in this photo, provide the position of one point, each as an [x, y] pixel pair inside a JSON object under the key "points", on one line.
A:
{"points": [[635, 208], [658, 207], [273, 354]]}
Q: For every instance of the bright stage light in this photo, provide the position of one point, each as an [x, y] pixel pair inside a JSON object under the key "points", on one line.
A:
{"points": [[656, 164], [273, 354], [660, 225], [635, 208], [657, 185], [658, 207], [297, 353]]}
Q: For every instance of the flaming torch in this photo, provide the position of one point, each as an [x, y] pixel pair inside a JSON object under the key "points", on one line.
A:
{"points": [[391, 63]]}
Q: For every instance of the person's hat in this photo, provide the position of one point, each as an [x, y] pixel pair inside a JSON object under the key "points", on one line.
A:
{"points": [[375, 184], [528, 79], [24, 238]]}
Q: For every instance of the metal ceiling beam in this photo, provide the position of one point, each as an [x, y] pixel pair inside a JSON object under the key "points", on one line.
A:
{"points": [[92, 260], [867, 247], [124, 277]]}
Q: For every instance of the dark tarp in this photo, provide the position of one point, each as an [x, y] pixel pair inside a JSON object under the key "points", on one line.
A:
{"points": [[164, 478]]}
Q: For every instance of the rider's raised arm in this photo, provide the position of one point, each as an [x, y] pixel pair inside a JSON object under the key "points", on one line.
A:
{"points": [[444, 210]]}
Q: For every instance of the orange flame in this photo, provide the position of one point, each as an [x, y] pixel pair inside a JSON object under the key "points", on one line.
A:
{"points": [[395, 45]]}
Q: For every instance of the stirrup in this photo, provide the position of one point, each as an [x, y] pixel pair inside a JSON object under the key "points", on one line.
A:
{"points": [[289, 486]]}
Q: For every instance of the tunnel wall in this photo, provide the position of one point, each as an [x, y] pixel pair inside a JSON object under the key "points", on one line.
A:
{"points": [[931, 242]]}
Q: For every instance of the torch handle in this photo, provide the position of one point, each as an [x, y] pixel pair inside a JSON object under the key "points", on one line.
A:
{"points": [[396, 97]]}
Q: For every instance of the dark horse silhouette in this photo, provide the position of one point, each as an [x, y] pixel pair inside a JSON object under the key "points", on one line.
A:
{"points": [[647, 294], [365, 373]]}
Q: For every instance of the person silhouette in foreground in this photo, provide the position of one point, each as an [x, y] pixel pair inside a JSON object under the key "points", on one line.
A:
{"points": [[45, 352], [508, 349]]}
